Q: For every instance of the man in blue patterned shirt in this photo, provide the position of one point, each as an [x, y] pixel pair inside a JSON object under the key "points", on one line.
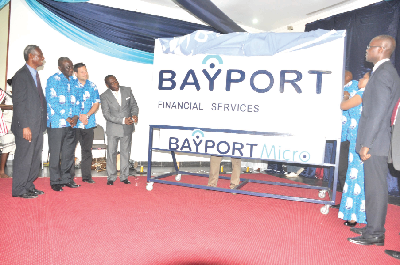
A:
{"points": [[62, 116], [89, 99]]}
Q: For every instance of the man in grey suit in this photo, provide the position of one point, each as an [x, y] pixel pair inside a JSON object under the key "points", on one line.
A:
{"points": [[121, 112], [373, 138], [28, 124]]}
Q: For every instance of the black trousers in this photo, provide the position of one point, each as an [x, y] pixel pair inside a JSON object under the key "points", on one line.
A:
{"points": [[62, 144], [343, 163], [26, 164], [85, 139], [376, 194]]}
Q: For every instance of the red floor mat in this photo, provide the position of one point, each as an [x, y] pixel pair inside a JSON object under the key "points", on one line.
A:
{"points": [[126, 224]]}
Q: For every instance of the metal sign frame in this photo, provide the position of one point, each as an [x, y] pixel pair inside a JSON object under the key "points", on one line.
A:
{"points": [[178, 173]]}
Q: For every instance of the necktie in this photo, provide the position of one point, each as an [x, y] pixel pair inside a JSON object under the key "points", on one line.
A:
{"points": [[39, 88]]}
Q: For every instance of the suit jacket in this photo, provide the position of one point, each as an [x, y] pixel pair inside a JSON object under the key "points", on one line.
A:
{"points": [[394, 154], [379, 99], [28, 110], [115, 114]]}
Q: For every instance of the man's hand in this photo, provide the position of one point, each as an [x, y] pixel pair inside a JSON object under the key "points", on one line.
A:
{"points": [[74, 121], [128, 121], [69, 120], [135, 118], [364, 153], [27, 134], [83, 118]]}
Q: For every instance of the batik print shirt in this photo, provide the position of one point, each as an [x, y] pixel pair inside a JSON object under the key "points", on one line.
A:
{"points": [[352, 88], [87, 96], [61, 100]]}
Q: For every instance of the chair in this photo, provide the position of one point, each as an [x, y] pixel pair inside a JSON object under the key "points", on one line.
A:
{"points": [[99, 136]]}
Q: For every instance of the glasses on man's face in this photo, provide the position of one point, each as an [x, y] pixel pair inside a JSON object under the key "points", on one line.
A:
{"points": [[368, 47]]}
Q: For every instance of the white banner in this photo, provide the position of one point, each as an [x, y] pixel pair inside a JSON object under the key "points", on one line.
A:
{"points": [[297, 92]]}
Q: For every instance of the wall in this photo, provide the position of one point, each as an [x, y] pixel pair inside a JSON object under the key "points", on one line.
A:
{"points": [[4, 15]]}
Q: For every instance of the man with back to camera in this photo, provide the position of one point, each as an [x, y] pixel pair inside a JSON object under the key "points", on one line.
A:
{"points": [[28, 124], [62, 117], [373, 138], [121, 112], [89, 99]]}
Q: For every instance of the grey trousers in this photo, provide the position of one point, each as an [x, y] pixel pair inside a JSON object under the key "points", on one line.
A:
{"points": [[215, 162], [125, 154]]}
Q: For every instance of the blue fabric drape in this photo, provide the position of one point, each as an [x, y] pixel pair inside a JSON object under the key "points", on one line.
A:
{"points": [[119, 33], [3, 3], [209, 13], [90, 41], [128, 28], [72, 1]]}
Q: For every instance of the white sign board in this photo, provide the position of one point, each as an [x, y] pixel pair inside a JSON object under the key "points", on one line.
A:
{"points": [[297, 92]]}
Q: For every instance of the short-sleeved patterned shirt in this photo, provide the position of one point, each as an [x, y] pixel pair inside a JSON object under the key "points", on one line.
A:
{"points": [[352, 88], [87, 96], [61, 100]]}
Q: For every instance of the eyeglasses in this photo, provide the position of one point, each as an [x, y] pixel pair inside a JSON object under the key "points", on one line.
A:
{"points": [[368, 47]]}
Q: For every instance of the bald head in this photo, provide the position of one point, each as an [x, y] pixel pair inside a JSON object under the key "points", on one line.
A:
{"points": [[379, 48], [388, 43]]}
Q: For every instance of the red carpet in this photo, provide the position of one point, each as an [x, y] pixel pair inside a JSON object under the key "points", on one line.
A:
{"points": [[126, 224]]}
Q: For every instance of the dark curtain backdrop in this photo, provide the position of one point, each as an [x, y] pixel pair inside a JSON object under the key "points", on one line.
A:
{"points": [[362, 25], [209, 13], [128, 28]]}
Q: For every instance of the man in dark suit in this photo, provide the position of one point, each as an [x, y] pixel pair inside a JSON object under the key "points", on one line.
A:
{"points": [[394, 157], [373, 138], [121, 112], [28, 124]]}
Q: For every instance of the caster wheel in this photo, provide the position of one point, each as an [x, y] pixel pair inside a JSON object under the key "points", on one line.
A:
{"points": [[322, 194], [325, 209], [178, 177], [149, 186]]}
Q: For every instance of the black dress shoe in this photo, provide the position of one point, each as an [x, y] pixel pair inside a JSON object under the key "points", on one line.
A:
{"points": [[392, 253], [126, 181], [351, 224], [91, 181], [366, 241], [28, 195], [357, 230], [57, 187], [110, 182], [71, 185], [37, 192], [335, 206]]}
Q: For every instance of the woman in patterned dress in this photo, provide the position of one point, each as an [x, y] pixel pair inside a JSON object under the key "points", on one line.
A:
{"points": [[352, 206]]}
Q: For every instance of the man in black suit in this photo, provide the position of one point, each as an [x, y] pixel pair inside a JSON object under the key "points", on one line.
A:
{"points": [[28, 124], [373, 138]]}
